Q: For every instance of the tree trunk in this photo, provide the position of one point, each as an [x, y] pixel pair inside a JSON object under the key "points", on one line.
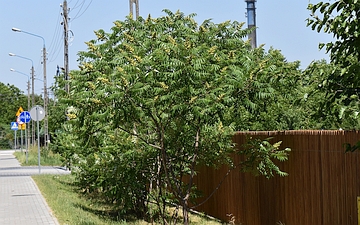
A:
{"points": [[186, 212]]}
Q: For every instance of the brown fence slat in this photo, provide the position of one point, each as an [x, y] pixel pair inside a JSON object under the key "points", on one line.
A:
{"points": [[322, 186]]}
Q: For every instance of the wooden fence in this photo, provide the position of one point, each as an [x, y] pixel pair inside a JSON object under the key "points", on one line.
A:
{"points": [[322, 186]]}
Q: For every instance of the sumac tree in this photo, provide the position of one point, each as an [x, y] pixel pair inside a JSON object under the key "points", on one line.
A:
{"points": [[153, 101]]}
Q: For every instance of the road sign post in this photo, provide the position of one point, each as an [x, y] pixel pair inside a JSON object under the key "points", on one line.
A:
{"points": [[21, 141], [26, 143], [37, 113], [20, 110], [25, 118], [14, 126], [20, 123]]}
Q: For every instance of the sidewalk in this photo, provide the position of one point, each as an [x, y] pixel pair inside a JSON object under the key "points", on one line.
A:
{"points": [[21, 202]]}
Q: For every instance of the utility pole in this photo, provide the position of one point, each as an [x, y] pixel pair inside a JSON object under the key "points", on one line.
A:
{"points": [[32, 104], [136, 2], [46, 100], [28, 109], [46, 131], [251, 20], [66, 44], [32, 94]]}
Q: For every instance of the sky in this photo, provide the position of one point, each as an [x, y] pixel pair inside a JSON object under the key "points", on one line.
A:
{"points": [[281, 24]]}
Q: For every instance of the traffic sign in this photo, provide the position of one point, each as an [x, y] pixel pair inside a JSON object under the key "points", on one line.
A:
{"points": [[25, 117], [22, 126], [14, 126], [37, 113], [18, 121], [20, 110]]}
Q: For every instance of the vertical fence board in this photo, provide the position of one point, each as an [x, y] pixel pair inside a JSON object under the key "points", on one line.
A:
{"points": [[358, 209], [322, 186]]}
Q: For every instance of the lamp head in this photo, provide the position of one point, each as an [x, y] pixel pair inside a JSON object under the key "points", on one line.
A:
{"points": [[12, 70], [15, 29], [12, 54]]}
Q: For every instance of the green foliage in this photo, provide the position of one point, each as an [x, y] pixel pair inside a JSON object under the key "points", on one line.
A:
{"points": [[47, 158], [341, 19], [11, 98], [259, 156], [352, 148], [326, 108], [315, 99], [156, 98], [268, 93], [168, 84]]}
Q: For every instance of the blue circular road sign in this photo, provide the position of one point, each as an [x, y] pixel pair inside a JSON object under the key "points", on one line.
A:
{"points": [[25, 117]]}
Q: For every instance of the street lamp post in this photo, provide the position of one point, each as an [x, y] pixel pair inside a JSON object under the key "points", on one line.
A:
{"points": [[32, 94], [46, 131]]}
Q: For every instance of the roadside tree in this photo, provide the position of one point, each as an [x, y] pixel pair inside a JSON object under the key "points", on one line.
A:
{"points": [[11, 98], [154, 100], [341, 18]]}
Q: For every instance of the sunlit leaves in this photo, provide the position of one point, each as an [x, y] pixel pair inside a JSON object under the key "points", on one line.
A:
{"points": [[340, 18], [157, 97], [11, 98], [259, 156]]}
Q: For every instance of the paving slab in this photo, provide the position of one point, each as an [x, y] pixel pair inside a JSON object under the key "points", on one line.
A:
{"points": [[21, 202]]}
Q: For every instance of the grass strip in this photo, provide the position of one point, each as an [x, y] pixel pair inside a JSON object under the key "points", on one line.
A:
{"points": [[70, 208], [66, 204], [47, 158]]}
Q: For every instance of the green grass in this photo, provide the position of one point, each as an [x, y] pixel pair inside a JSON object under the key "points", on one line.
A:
{"points": [[73, 209], [68, 205], [47, 158]]}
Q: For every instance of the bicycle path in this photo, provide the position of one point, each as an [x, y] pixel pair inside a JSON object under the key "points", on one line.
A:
{"points": [[21, 202]]}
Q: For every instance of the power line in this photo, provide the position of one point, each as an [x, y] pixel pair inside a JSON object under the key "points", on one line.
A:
{"points": [[55, 42], [76, 4], [77, 15]]}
